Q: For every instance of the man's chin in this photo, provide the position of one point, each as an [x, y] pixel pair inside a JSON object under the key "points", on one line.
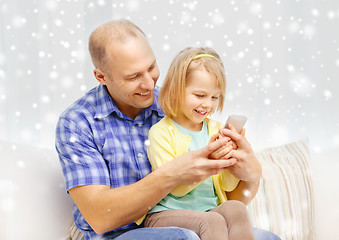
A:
{"points": [[146, 103]]}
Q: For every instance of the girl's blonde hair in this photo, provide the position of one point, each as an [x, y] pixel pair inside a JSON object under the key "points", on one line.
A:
{"points": [[172, 92]]}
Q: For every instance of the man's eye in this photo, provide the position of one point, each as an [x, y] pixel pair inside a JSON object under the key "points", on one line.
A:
{"points": [[133, 77], [151, 68]]}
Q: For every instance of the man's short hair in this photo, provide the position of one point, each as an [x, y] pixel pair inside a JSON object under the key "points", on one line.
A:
{"points": [[113, 32]]}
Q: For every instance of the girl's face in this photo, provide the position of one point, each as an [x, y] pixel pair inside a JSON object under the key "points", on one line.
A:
{"points": [[200, 100]]}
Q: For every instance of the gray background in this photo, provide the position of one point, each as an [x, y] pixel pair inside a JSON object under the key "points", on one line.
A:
{"points": [[281, 59]]}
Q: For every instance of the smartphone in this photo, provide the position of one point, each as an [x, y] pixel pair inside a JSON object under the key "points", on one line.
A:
{"points": [[238, 122]]}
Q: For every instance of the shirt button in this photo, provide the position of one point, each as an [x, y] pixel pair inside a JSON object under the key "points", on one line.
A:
{"points": [[139, 155]]}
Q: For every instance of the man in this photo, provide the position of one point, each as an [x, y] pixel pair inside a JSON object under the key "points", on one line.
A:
{"points": [[101, 141]]}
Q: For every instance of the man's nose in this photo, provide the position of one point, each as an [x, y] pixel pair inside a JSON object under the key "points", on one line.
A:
{"points": [[147, 82]]}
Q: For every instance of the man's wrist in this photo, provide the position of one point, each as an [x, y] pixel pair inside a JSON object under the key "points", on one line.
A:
{"points": [[164, 176]]}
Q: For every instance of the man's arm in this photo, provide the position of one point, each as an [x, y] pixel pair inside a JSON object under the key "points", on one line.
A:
{"points": [[244, 192], [106, 209], [247, 168]]}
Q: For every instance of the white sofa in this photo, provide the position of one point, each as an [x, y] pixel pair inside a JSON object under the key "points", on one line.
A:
{"points": [[33, 201], [34, 204]]}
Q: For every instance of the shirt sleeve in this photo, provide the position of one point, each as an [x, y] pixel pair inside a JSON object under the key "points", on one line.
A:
{"points": [[159, 150], [228, 182], [81, 161]]}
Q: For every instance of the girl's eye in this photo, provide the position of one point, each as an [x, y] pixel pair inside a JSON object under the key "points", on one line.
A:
{"points": [[215, 98], [199, 95]]}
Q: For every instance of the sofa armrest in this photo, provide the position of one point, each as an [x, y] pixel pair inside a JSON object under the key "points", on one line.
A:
{"points": [[34, 202]]}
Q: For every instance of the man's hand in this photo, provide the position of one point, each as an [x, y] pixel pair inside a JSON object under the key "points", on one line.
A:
{"points": [[195, 166], [247, 167]]}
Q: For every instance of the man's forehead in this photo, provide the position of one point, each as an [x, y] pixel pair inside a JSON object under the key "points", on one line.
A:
{"points": [[132, 55], [120, 49]]}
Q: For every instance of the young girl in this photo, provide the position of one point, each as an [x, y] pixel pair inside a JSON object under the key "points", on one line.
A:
{"points": [[193, 89]]}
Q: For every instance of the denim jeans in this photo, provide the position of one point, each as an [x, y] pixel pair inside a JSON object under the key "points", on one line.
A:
{"points": [[175, 233], [261, 234], [156, 233]]}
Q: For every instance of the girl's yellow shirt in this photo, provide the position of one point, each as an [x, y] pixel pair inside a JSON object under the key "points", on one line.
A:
{"points": [[166, 142]]}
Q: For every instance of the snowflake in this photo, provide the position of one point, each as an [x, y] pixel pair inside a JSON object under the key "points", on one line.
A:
{"points": [[83, 87], [309, 31], [147, 143], [301, 85], [331, 14], [256, 8], [315, 12], [290, 68], [166, 47], [37, 126], [229, 43], [80, 75], [58, 22], [45, 99], [20, 164], [19, 21], [53, 75], [269, 54], [73, 139], [327, 94]]}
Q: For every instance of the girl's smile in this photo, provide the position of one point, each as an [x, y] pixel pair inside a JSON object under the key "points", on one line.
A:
{"points": [[201, 99]]}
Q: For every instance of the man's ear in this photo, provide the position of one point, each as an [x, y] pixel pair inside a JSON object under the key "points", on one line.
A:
{"points": [[99, 75]]}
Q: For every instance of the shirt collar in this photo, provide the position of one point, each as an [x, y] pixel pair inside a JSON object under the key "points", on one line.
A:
{"points": [[155, 105], [105, 105]]}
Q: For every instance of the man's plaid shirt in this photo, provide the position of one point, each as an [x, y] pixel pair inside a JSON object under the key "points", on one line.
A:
{"points": [[98, 144]]}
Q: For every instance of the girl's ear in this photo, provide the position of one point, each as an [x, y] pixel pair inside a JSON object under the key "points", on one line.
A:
{"points": [[99, 75]]}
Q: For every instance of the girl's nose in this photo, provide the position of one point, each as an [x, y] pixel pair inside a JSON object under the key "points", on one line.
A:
{"points": [[207, 103]]}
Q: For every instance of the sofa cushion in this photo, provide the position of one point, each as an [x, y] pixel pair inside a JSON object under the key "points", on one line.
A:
{"points": [[76, 234], [284, 202]]}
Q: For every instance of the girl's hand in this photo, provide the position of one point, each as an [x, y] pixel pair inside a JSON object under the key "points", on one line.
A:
{"points": [[224, 150]]}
